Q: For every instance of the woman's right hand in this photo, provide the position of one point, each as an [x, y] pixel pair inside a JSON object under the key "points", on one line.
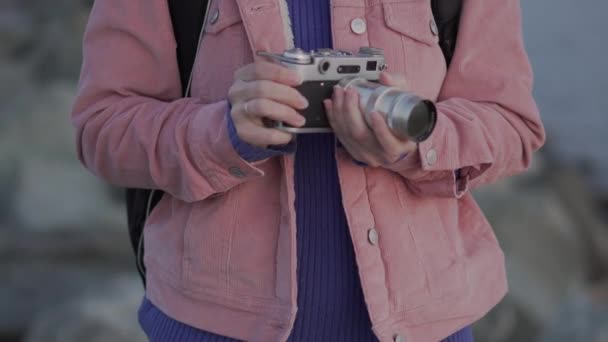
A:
{"points": [[265, 91]]}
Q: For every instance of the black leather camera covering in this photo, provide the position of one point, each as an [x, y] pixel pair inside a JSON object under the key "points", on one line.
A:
{"points": [[315, 92]]}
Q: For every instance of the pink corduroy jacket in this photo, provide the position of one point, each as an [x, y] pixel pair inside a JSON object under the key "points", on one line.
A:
{"points": [[220, 246]]}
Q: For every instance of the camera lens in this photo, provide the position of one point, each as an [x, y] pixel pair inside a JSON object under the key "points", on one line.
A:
{"points": [[324, 67]]}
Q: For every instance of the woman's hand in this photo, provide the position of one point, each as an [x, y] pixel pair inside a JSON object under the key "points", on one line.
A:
{"points": [[375, 145], [264, 91]]}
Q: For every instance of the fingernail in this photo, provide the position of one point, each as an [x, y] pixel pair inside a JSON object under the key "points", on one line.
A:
{"points": [[304, 103]]}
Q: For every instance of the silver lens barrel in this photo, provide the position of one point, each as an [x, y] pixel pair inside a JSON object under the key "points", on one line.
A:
{"points": [[407, 115]]}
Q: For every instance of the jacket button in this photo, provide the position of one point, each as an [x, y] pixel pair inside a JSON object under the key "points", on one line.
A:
{"points": [[434, 28], [236, 172], [431, 157], [358, 26], [372, 236], [215, 15], [399, 338]]}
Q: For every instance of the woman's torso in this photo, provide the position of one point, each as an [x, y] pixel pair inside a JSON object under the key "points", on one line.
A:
{"points": [[235, 253]]}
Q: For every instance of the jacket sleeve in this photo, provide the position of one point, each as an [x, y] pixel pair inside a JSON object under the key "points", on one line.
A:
{"points": [[488, 123], [132, 128], [253, 153]]}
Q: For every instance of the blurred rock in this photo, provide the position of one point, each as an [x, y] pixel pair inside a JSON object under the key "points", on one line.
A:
{"points": [[53, 194], [108, 313], [8, 186], [507, 322], [59, 56], [582, 318], [545, 254], [96, 247], [42, 270], [16, 27], [28, 288], [48, 38], [579, 199], [14, 94], [38, 122], [51, 188]]}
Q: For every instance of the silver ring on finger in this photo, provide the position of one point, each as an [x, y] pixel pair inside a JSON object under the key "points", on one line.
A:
{"points": [[246, 108]]}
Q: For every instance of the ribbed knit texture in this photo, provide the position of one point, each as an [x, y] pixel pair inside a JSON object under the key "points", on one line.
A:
{"points": [[331, 307], [330, 300]]}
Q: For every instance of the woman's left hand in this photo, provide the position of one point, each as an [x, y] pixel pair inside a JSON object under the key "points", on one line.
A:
{"points": [[375, 145]]}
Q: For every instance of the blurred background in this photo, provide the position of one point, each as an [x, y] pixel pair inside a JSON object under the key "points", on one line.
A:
{"points": [[66, 268]]}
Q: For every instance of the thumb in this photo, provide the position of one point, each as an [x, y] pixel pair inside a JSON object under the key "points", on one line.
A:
{"points": [[393, 80]]}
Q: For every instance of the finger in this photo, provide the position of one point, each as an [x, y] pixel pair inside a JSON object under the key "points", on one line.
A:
{"points": [[337, 122], [272, 91], [390, 144], [269, 72], [393, 80], [269, 109], [329, 110], [354, 152], [369, 159], [262, 136], [235, 93], [353, 118], [361, 154]]}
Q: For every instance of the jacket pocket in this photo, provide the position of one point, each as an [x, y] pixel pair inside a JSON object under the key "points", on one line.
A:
{"points": [[222, 14], [206, 244], [253, 247], [407, 33], [230, 241], [412, 19], [224, 48], [444, 274]]}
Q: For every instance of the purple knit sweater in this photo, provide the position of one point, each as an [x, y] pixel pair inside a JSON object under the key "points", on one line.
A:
{"points": [[331, 306]]}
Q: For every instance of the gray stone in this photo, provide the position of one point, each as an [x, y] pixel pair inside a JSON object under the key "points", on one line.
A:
{"points": [[98, 247], [55, 195], [8, 184], [105, 314], [42, 270], [16, 28], [29, 287], [507, 322], [46, 186], [57, 51], [583, 317], [544, 252], [15, 92], [38, 122], [47, 37]]}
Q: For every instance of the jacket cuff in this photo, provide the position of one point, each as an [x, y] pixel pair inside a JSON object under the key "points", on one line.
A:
{"points": [[214, 155], [253, 153], [448, 183], [434, 169]]}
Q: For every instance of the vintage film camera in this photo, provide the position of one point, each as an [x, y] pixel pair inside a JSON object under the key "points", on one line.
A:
{"points": [[408, 116]]}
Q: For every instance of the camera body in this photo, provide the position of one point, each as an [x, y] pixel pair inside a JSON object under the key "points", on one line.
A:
{"points": [[321, 70]]}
